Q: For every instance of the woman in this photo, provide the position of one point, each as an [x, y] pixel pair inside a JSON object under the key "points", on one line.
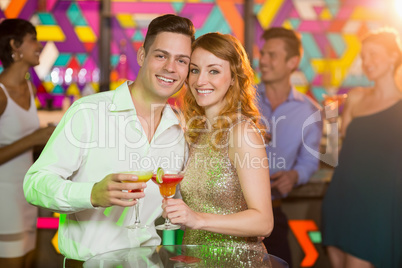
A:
{"points": [[226, 188], [362, 209], [19, 133]]}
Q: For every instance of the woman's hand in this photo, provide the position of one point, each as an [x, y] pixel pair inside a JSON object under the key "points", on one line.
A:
{"points": [[42, 135], [179, 213]]}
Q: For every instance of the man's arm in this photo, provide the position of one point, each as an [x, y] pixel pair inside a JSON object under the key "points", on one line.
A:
{"points": [[307, 163], [46, 184]]}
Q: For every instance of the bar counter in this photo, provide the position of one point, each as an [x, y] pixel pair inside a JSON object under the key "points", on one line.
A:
{"points": [[303, 207]]}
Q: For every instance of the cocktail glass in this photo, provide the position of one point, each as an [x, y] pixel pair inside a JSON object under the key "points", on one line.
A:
{"points": [[333, 106], [338, 99], [168, 189], [143, 176]]}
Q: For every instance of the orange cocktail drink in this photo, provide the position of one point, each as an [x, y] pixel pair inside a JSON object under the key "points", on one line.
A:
{"points": [[168, 187], [338, 99], [167, 183]]}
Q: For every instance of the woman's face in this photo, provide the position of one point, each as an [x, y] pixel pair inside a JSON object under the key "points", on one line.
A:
{"points": [[209, 80], [30, 49], [376, 60]]}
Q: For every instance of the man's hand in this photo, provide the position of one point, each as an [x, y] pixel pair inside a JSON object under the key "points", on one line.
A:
{"points": [[284, 181], [109, 191]]}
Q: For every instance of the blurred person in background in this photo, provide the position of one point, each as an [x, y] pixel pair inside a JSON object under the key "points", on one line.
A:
{"points": [[362, 208], [284, 111], [19, 134]]}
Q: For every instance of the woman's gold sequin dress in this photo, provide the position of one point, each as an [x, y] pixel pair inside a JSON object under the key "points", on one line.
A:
{"points": [[211, 185]]}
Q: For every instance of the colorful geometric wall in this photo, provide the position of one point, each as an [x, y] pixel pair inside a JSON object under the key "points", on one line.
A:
{"points": [[69, 31]]}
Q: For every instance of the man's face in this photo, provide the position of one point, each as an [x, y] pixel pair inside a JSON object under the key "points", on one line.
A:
{"points": [[165, 67], [274, 66]]}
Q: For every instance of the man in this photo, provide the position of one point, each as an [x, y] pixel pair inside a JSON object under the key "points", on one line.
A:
{"points": [[80, 171], [285, 112]]}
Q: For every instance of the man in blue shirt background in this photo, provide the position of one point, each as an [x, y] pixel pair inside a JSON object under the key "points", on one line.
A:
{"points": [[291, 137]]}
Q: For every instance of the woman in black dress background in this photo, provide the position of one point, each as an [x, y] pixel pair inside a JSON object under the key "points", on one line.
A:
{"points": [[362, 209]]}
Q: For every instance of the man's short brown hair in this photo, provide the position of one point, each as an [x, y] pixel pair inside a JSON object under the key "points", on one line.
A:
{"points": [[168, 23], [293, 45]]}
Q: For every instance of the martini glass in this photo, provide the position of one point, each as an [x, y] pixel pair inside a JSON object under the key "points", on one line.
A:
{"points": [[167, 188], [333, 104], [338, 99], [143, 176]]}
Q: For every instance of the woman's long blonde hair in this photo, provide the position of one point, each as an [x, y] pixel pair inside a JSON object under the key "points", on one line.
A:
{"points": [[240, 97]]}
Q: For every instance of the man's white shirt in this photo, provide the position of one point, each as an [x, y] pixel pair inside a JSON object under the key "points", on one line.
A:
{"points": [[99, 135]]}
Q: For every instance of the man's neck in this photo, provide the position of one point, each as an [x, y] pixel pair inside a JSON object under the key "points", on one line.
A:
{"points": [[148, 108], [277, 93], [145, 104]]}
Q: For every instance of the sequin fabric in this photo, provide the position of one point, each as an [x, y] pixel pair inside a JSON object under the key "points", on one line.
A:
{"points": [[211, 185], [228, 257]]}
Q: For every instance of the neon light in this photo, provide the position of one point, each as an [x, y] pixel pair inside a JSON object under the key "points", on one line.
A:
{"points": [[315, 237], [55, 242], [300, 229], [47, 223]]}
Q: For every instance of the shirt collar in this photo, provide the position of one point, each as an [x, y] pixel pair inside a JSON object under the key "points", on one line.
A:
{"points": [[122, 100], [170, 115], [294, 94]]}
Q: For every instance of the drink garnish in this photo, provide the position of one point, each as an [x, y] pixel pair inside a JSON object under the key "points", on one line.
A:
{"points": [[159, 175]]}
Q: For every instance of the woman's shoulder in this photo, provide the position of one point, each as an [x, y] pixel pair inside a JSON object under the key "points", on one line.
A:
{"points": [[244, 128], [357, 94], [242, 122]]}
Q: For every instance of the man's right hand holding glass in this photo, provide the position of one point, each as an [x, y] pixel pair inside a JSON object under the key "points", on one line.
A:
{"points": [[113, 191]]}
